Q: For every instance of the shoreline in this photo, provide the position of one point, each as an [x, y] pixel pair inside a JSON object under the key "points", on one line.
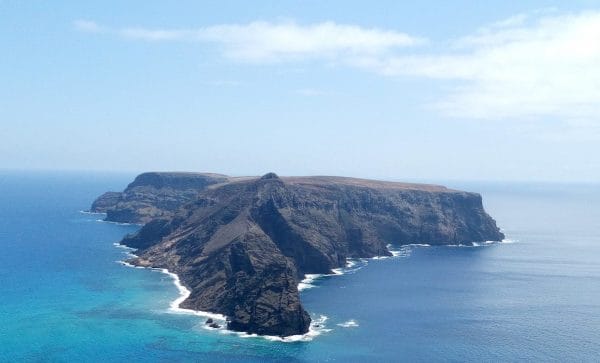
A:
{"points": [[398, 251], [119, 223], [317, 325], [105, 221], [184, 292], [351, 265], [316, 328], [90, 212]]}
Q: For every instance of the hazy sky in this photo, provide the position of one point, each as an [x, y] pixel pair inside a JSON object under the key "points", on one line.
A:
{"points": [[492, 90]]}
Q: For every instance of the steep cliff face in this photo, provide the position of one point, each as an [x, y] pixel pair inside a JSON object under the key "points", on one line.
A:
{"points": [[242, 246], [153, 195]]}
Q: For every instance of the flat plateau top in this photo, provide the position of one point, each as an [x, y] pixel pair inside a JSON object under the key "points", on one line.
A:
{"points": [[367, 183], [323, 180], [317, 181]]}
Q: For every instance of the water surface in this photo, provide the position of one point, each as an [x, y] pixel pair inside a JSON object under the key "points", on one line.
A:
{"points": [[65, 298]]}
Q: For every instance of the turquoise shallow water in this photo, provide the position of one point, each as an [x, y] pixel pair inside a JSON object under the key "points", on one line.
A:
{"points": [[65, 298]]}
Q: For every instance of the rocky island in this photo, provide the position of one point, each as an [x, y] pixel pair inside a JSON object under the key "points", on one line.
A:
{"points": [[242, 244]]}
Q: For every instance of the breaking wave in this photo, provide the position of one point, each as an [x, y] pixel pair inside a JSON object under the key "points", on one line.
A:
{"points": [[349, 324]]}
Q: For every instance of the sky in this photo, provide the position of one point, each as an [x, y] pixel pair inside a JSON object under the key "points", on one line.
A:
{"points": [[428, 90]]}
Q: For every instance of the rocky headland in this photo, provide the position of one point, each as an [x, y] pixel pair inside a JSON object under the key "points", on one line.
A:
{"points": [[152, 195], [241, 245]]}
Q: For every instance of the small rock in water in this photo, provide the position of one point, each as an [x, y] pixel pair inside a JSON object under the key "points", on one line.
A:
{"points": [[209, 321], [215, 325]]}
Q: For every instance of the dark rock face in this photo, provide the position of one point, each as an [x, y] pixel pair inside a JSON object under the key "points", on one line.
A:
{"points": [[269, 176], [241, 247], [153, 195], [105, 202]]}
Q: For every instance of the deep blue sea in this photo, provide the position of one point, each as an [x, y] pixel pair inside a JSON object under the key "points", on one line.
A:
{"points": [[65, 298]]}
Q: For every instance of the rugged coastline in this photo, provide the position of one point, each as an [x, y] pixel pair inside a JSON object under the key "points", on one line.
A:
{"points": [[242, 245]]}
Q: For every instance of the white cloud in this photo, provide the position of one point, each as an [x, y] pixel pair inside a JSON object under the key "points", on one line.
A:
{"points": [[264, 41], [549, 67], [88, 26], [525, 67]]}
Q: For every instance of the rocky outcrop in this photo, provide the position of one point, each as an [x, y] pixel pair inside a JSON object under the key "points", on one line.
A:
{"points": [[152, 195], [241, 245]]}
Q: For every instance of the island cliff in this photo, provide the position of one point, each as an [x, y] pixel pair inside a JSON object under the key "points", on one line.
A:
{"points": [[153, 195], [241, 245]]}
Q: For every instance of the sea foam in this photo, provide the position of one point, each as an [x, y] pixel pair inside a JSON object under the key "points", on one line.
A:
{"points": [[90, 212], [353, 265], [119, 223], [349, 324], [184, 293], [118, 245], [316, 328], [309, 279], [307, 282]]}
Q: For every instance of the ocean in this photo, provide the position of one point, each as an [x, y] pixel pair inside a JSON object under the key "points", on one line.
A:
{"points": [[65, 296]]}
